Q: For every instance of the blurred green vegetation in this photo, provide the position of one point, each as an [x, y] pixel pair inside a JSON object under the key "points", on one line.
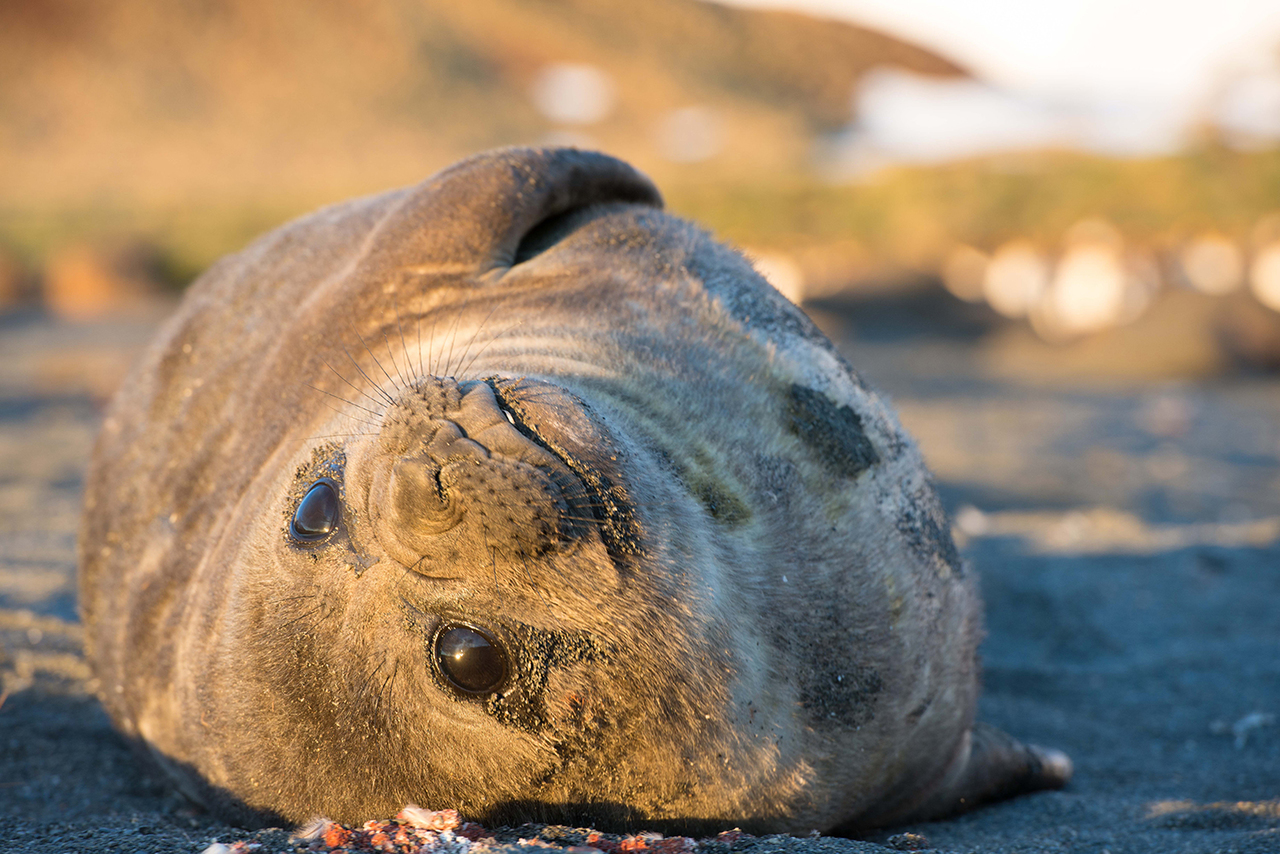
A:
{"points": [[196, 125], [907, 215], [901, 219], [185, 130], [181, 242]]}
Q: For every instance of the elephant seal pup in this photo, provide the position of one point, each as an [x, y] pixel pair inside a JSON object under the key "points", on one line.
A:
{"points": [[510, 493]]}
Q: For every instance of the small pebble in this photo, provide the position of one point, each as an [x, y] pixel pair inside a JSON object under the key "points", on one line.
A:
{"points": [[908, 842]]}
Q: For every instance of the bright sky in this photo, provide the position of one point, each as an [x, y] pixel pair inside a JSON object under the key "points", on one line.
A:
{"points": [[1160, 51]]}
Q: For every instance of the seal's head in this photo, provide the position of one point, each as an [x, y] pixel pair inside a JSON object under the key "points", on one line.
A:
{"points": [[511, 493]]}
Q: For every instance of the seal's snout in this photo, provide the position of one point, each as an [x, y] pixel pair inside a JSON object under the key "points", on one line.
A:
{"points": [[452, 463]]}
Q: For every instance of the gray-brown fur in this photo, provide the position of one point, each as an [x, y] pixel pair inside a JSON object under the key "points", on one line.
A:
{"points": [[558, 415]]}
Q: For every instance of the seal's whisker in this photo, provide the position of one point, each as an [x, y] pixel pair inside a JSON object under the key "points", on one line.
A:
{"points": [[536, 393], [343, 399], [301, 616], [392, 356], [346, 414], [462, 357], [389, 680], [583, 519], [359, 390], [417, 322], [385, 691], [367, 689], [529, 575], [373, 356], [493, 563], [408, 360], [408, 604], [466, 369], [453, 339], [431, 343], [376, 387], [374, 426], [608, 510], [338, 397]]}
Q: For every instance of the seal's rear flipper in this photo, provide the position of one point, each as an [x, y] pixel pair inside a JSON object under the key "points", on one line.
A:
{"points": [[998, 766]]}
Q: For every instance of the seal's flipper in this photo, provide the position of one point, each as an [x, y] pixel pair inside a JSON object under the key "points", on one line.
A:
{"points": [[997, 766]]}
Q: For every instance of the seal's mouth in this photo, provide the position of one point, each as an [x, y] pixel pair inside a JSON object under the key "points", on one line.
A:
{"points": [[565, 426]]}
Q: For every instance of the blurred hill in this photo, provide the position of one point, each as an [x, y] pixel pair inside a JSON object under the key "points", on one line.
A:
{"points": [[298, 102], [139, 141]]}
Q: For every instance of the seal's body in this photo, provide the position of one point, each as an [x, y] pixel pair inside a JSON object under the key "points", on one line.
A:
{"points": [[510, 493]]}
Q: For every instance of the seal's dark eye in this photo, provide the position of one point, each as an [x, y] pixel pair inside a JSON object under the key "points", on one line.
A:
{"points": [[317, 514], [471, 661]]}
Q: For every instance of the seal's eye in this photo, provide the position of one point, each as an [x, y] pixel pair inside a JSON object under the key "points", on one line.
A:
{"points": [[470, 660], [317, 514]]}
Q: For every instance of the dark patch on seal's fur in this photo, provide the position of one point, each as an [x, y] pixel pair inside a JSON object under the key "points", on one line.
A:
{"points": [[748, 298], [841, 695], [834, 689], [723, 505], [834, 432], [923, 523], [719, 501]]}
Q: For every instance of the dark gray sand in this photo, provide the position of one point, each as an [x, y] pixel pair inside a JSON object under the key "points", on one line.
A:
{"points": [[1128, 541]]}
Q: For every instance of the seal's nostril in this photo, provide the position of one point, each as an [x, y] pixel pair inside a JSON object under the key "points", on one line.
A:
{"points": [[470, 469], [447, 449], [417, 499]]}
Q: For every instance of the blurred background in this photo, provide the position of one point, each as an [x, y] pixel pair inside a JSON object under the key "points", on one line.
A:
{"points": [[1101, 178]]}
